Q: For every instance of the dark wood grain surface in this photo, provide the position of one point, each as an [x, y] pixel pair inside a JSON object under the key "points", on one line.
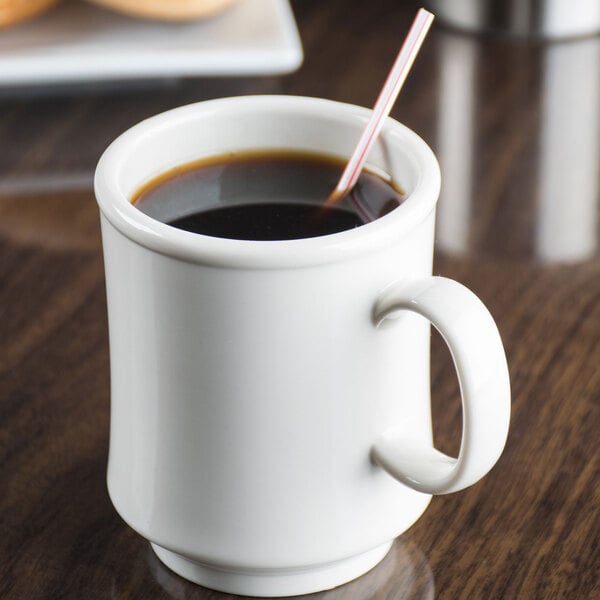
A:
{"points": [[517, 130]]}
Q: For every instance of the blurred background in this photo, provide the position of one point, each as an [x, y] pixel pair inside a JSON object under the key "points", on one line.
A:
{"points": [[509, 102]]}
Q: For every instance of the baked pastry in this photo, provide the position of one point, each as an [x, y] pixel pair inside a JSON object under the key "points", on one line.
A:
{"points": [[14, 11], [166, 10]]}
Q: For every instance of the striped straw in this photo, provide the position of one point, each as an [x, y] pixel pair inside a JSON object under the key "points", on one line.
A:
{"points": [[385, 101]]}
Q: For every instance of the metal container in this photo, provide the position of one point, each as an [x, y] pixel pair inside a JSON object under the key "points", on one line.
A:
{"points": [[551, 19]]}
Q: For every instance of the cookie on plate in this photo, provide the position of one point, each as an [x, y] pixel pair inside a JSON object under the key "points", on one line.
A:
{"points": [[166, 10], [15, 11]]}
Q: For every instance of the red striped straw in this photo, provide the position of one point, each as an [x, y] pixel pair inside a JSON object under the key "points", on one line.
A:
{"points": [[385, 101]]}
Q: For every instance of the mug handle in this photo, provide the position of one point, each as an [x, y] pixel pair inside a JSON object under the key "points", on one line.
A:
{"points": [[476, 348]]}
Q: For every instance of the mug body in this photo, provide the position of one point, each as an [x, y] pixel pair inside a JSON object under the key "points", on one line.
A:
{"points": [[248, 379]]}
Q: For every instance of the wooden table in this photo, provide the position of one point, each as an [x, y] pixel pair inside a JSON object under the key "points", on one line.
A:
{"points": [[517, 130]]}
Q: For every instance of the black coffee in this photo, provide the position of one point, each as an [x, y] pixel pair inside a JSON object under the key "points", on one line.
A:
{"points": [[264, 196], [273, 221]]}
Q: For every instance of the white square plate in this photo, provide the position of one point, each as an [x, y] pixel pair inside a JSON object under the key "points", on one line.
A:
{"points": [[76, 41]]}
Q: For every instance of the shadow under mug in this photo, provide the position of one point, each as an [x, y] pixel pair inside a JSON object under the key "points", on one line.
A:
{"points": [[270, 416]]}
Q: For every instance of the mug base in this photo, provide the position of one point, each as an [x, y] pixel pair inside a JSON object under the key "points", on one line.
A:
{"points": [[273, 582]]}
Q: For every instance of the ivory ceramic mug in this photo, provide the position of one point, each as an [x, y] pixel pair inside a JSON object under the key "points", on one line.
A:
{"points": [[270, 417]]}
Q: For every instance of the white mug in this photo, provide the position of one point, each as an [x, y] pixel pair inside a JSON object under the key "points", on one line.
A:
{"points": [[270, 401]]}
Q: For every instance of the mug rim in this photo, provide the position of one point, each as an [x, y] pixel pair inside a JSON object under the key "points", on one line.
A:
{"points": [[142, 229]]}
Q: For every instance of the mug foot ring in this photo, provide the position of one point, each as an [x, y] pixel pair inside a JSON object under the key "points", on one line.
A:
{"points": [[273, 582]]}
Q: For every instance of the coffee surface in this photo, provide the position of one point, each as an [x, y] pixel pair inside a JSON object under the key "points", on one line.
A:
{"points": [[272, 221], [264, 196]]}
